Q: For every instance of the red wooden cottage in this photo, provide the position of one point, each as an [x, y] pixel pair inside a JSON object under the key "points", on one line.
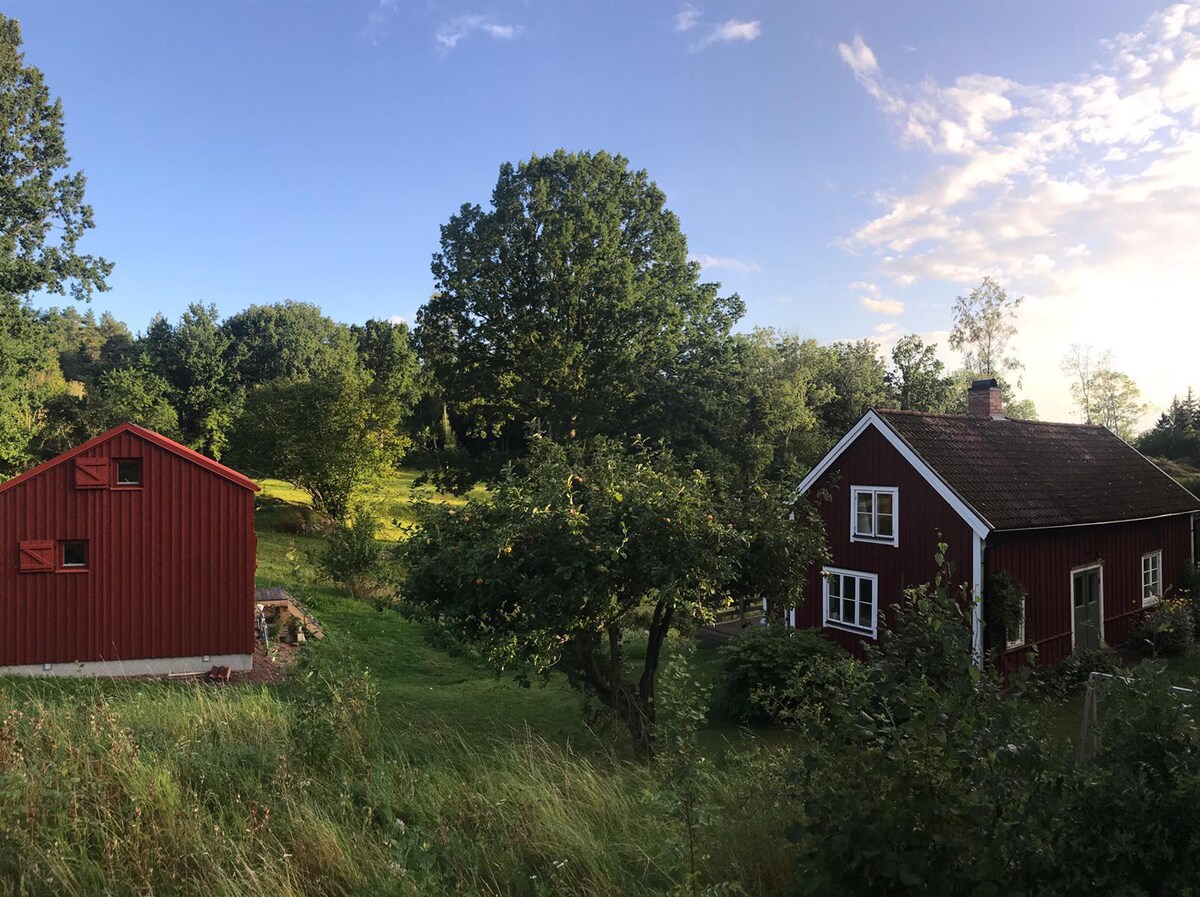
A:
{"points": [[1090, 529], [128, 555]]}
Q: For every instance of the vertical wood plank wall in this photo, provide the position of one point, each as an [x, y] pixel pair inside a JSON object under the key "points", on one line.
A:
{"points": [[170, 566], [924, 519]]}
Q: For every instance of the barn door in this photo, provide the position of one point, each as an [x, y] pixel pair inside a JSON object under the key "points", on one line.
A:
{"points": [[1086, 602]]}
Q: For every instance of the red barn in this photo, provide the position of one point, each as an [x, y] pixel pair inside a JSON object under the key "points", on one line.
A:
{"points": [[128, 555], [1091, 530]]}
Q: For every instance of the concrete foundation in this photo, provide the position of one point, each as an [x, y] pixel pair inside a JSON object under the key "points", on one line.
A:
{"points": [[146, 666]]}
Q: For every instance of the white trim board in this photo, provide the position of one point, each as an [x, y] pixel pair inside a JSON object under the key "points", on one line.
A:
{"points": [[871, 419], [144, 666]]}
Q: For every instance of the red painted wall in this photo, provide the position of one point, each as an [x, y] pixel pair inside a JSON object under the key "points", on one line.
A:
{"points": [[871, 461], [1041, 561], [170, 568]]}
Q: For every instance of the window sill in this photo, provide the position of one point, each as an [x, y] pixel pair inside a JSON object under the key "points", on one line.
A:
{"points": [[1151, 602], [853, 630], [872, 540], [1013, 646], [72, 570]]}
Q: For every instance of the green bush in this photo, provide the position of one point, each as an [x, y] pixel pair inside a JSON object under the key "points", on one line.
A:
{"points": [[352, 556], [1169, 629], [764, 661], [1188, 587], [1066, 678]]}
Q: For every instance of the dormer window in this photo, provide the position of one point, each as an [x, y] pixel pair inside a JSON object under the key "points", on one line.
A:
{"points": [[874, 512]]}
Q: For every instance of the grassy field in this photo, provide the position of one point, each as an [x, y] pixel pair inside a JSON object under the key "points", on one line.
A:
{"points": [[389, 766]]}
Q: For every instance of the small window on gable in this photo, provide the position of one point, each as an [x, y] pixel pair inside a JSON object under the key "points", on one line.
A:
{"points": [[73, 554], [874, 514], [1151, 578], [129, 472]]}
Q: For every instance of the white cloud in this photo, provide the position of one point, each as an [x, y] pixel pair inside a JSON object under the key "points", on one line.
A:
{"points": [[1082, 195], [733, 30], [397, 319], [377, 20], [874, 301], [687, 18], [450, 33], [730, 264], [885, 328]]}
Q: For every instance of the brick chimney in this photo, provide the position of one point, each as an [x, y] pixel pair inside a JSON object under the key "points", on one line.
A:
{"points": [[984, 399]]}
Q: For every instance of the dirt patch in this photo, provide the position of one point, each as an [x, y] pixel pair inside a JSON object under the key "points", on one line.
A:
{"points": [[268, 669]]}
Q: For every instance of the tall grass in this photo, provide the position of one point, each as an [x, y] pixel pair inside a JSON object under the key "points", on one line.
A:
{"points": [[160, 788]]}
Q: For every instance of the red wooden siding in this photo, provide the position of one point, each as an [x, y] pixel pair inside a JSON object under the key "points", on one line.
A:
{"points": [[923, 514], [1042, 561], [170, 569]]}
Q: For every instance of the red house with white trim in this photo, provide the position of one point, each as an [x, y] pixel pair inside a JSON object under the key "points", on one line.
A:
{"points": [[1091, 530], [130, 554]]}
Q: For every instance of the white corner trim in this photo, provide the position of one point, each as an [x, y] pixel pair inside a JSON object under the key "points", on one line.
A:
{"points": [[977, 548], [872, 419]]}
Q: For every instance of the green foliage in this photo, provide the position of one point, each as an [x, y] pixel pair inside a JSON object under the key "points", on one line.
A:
{"points": [[1176, 434], [857, 378], [352, 556], [929, 641], [1065, 679], [570, 302], [555, 566], [193, 357], [288, 340], [1168, 629], [983, 328], [917, 379], [329, 434], [763, 664], [29, 378], [1127, 823], [1003, 608], [40, 197]]}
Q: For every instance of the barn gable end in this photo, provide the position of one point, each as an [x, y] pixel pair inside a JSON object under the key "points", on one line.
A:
{"points": [[146, 576]]}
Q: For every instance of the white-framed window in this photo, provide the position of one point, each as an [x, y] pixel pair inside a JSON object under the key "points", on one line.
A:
{"points": [[1151, 578], [874, 514], [850, 600], [1016, 638]]}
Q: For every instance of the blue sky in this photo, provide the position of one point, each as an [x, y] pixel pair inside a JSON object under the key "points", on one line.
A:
{"points": [[847, 168]]}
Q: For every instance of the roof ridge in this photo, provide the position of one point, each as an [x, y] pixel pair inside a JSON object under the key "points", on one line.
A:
{"points": [[971, 417]]}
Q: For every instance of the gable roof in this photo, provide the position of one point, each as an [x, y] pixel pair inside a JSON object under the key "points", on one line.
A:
{"points": [[1031, 474], [150, 436]]}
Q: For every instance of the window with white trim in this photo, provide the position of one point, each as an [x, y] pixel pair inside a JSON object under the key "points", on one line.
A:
{"points": [[1016, 638], [850, 600], [1151, 578], [874, 512]]}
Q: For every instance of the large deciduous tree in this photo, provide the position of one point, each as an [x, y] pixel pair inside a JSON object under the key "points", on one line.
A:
{"points": [[566, 302], [983, 329], [194, 358], [288, 339], [578, 545], [917, 379], [328, 434], [42, 212], [42, 218], [1103, 394]]}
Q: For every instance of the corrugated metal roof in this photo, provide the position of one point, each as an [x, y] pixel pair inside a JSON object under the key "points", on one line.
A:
{"points": [[1031, 474]]}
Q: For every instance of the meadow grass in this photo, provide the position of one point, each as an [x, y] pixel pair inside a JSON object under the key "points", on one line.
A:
{"points": [[387, 765]]}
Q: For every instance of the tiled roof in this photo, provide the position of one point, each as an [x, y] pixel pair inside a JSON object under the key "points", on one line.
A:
{"points": [[1029, 474]]}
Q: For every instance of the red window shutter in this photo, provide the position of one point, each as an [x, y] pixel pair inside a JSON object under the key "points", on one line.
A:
{"points": [[37, 556], [91, 473]]}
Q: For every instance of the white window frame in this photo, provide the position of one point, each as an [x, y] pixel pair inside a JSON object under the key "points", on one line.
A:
{"points": [[827, 573], [1156, 557], [1019, 635], [875, 491]]}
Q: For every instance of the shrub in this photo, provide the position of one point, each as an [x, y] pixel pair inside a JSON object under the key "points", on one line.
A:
{"points": [[763, 661], [352, 557], [1188, 587], [1169, 629], [1065, 678]]}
